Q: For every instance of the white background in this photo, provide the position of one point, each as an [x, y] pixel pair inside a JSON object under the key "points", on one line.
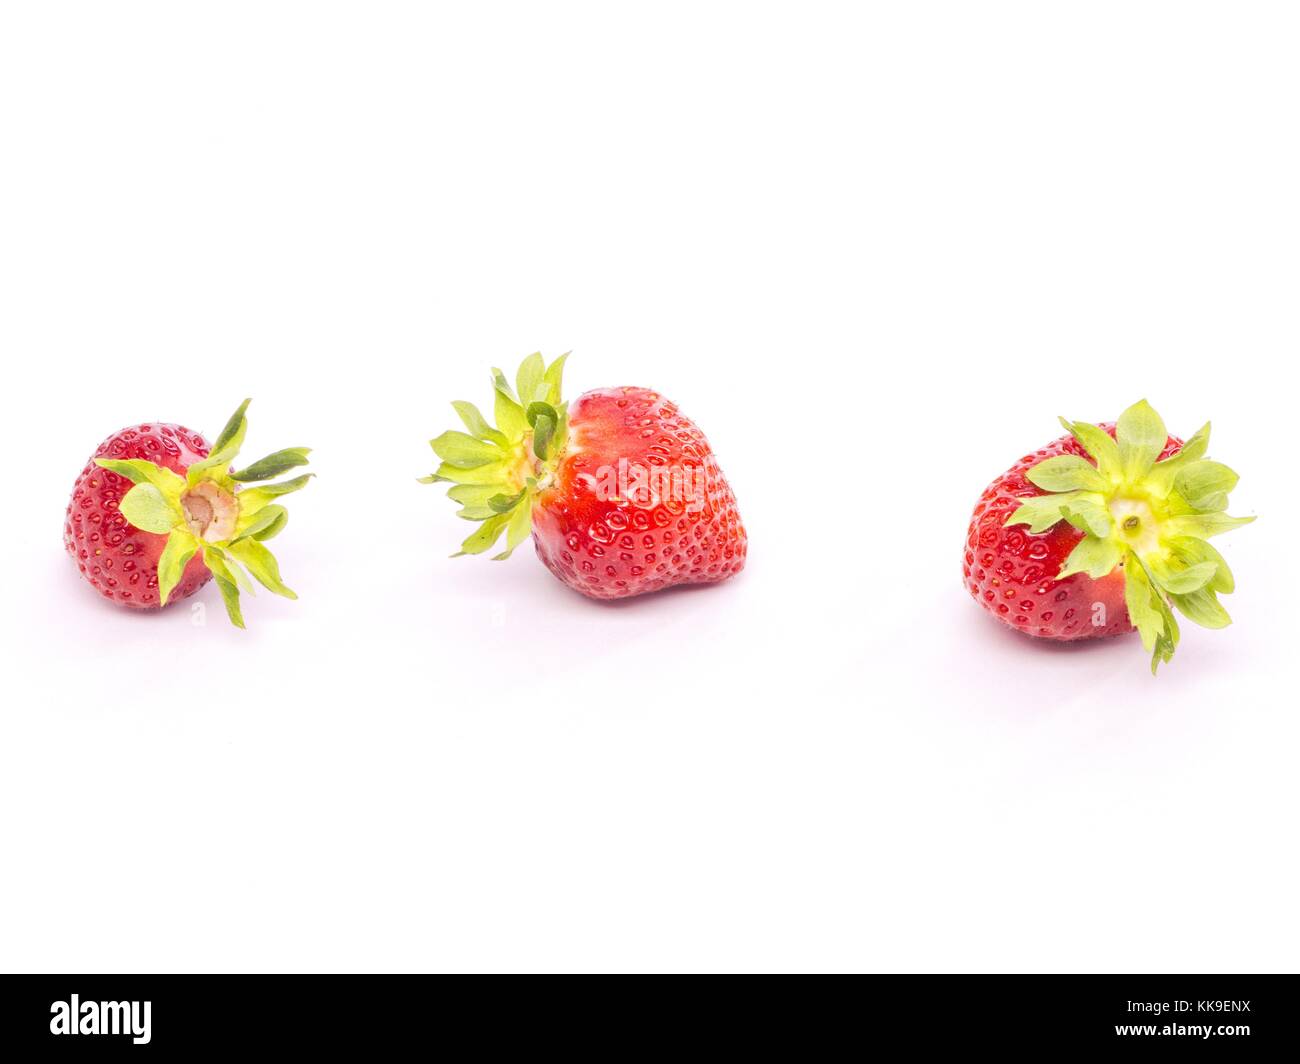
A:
{"points": [[874, 250]]}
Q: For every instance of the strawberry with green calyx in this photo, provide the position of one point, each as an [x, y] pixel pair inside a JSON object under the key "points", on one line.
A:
{"points": [[621, 493], [156, 513], [1104, 531]]}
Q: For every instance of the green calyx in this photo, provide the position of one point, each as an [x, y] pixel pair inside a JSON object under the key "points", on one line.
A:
{"points": [[1152, 518], [496, 472], [227, 516]]}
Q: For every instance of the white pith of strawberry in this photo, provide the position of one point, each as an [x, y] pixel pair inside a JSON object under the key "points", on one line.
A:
{"points": [[1103, 531], [155, 514], [621, 494]]}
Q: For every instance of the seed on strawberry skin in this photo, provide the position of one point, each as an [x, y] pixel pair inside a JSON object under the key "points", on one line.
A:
{"points": [[1104, 531]]}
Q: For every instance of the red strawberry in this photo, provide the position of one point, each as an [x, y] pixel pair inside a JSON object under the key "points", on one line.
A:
{"points": [[621, 493], [1101, 531], [156, 513]]}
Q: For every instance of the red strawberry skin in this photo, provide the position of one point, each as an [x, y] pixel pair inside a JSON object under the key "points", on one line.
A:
{"points": [[120, 561], [1011, 572], [611, 548]]}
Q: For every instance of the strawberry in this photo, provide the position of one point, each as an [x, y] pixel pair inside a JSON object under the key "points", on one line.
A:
{"points": [[621, 493], [156, 513], [1102, 531]]}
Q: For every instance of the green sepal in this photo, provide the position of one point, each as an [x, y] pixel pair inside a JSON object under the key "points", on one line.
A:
{"points": [[273, 465], [477, 424], [519, 529], [259, 561], [1088, 513], [503, 504], [1067, 472], [560, 441], [275, 528], [463, 451], [554, 378], [475, 494], [235, 428], [142, 471], [1205, 485], [543, 432], [252, 500], [1149, 612], [540, 409], [486, 535], [266, 523], [1043, 511], [529, 378], [233, 570], [1163, 474], [221, 573], [1202, 607], [494, 473], [181, 546], [509, 414], [1188, 551], [1141, 436], [1094, 556], [225, 449], [1098, 443], [502, 386], [230, 596], [149, 510], [1203, 526], [1182, 580]]}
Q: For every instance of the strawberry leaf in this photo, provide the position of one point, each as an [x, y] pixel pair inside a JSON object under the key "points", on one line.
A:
{"points": [[262, 564], [235, 427], [1202, 607], [1094, 556], [488, 533], [464, 451], [1205, 485], [1203, 526], [215, 560], [1067, 472], [543, 431], [503, 504], [1042, 512], [521, 525], [554, 379], [180, 548], [529, 377], [140, 471], [1098, 443], [477, 423], [1141, 437], [269, 521], [145, 507], [1149, 613], [1088, 513], [273, 465]]}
